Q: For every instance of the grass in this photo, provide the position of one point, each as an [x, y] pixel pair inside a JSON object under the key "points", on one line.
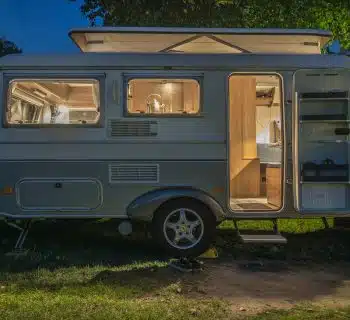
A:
{"points": [[308, 240], [297, 226], [85, 271]]}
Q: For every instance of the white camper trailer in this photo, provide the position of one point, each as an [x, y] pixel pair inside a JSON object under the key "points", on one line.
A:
{"points": [[180, 128]]}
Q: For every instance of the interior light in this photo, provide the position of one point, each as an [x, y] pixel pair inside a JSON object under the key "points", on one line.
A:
{"points": [[168, 87], [7, 190]]}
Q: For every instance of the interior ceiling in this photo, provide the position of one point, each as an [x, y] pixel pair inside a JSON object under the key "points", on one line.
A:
{"points": [[145, 41]]}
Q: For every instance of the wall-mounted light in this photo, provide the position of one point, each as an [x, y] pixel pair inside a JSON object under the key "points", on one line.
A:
{"points": [[129, 90]]}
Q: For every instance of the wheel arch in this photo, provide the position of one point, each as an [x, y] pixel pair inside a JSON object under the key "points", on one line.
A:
{"points": [[144, 207]]}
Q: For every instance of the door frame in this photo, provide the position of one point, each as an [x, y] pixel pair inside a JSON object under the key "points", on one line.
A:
{"points": [[265, 213]]}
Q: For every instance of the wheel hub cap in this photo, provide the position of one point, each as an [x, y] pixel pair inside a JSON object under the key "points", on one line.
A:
{"points": [[183, 228]]}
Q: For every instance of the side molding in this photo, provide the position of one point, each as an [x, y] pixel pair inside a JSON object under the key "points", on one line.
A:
{"points": [[143, 207]]}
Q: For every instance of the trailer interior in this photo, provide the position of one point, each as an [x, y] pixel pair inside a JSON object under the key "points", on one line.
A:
{"points": [[255, 142], [38, 102]]}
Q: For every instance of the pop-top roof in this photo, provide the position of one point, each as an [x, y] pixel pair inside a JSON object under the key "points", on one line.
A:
{"points": [[199, 40]]}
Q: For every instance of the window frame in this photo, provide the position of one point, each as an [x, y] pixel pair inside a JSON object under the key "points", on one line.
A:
{"points": [[159, 76], [9, 78]]}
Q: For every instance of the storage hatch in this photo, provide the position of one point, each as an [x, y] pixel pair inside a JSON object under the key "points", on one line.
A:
{"points": [[59, 194]]}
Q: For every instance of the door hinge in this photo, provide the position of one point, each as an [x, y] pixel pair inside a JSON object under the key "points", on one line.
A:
{"points": [[289, 181]]}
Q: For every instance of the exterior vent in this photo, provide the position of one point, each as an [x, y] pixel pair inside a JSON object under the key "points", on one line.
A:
{"points": [[133, 173], [122, 128]]}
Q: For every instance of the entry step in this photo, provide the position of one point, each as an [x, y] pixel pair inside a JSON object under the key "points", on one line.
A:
{"points": [[263, 238]]}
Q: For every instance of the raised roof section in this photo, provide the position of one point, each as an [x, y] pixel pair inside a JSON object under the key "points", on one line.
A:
{"points": [[199, 40]]}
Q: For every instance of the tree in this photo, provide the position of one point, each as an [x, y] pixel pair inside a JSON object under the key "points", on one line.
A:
{"points": [[8, 47], [333, 15]]}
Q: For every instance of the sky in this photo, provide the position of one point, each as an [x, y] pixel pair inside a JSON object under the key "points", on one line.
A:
{"points": [[41, 26]]}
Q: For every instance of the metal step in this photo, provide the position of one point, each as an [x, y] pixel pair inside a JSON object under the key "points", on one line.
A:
{"points": [[263, 238]]}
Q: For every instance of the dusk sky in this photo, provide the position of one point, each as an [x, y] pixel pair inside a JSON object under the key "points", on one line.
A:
{"points": [[41, 26]]}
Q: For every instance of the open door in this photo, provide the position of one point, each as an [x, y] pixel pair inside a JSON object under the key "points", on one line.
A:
{"points": [[255, 143], [321, 119]]}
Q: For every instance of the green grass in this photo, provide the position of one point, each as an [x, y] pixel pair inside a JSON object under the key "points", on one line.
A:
{"points": [[100, 293], [308, 240], [285, 225], [85, 271], [65, 294], [75, 293]]}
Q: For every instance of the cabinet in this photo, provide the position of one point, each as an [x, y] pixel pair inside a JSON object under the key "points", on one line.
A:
{"points": [[323, 151], [273, 185], [244, 163]]}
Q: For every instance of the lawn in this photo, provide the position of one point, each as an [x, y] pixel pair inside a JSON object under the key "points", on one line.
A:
{"points": [[86, 271]]}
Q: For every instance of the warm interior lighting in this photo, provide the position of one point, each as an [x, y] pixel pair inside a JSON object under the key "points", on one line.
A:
{"points": [[166, 96], [49, 101], [168, 87], [7, 190], [23, 95]]}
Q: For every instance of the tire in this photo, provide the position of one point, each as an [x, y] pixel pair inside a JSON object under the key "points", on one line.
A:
{"points": [[179, 237]]}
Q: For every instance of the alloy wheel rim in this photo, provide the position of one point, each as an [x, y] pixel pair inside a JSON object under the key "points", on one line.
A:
{"points": [[183, 228]]}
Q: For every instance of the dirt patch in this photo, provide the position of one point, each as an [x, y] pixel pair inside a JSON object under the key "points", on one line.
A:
{"points": [[254, 289], [247, 287]]}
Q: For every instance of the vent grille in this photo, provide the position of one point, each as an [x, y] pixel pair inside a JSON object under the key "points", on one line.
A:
{"points": [[122, 128], [133, 173]]}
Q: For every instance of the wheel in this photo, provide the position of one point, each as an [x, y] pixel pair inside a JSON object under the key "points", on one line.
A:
{"points": [[184, 228]]}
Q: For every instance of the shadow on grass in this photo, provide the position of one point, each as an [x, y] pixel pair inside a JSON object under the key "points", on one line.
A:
{"points": [[322, 246], [88, 256], [62, 243], [57, 244]]}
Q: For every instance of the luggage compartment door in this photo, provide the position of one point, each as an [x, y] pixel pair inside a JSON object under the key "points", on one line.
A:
{"points": [[321, 127], [59, 194]]}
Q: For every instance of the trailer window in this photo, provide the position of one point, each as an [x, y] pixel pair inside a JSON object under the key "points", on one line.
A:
{"points": [[51, 102], [163, 96]]}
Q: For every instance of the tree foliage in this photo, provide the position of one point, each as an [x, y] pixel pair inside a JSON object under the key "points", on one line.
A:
{"points": [[333, 15], [8, 47]]}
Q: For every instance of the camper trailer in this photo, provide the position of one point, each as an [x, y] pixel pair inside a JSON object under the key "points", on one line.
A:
{"points": [[177, 128]]}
